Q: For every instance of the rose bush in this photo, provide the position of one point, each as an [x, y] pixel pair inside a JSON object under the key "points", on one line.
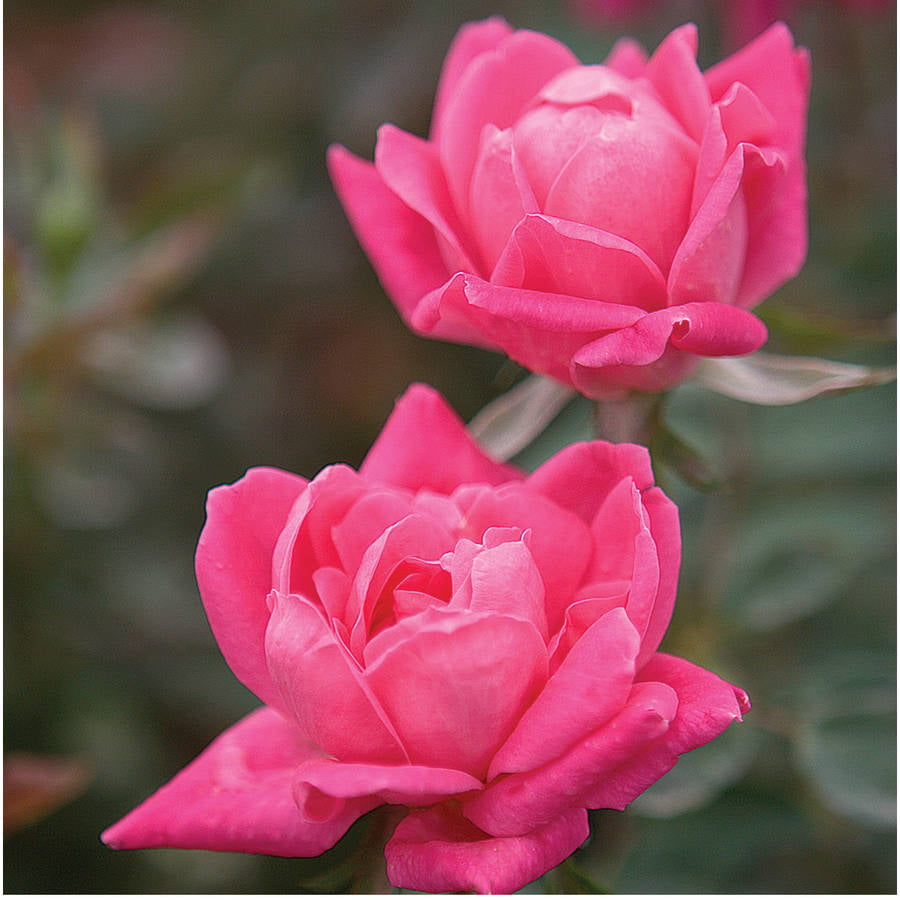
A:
{"points": [[440, 631], [601, 224]]}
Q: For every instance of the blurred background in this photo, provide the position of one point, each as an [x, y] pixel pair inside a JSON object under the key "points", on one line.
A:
{"points": [[184, 299]]}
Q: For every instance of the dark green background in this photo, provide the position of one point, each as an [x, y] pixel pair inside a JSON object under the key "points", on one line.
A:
{"points": [[167, 201]]}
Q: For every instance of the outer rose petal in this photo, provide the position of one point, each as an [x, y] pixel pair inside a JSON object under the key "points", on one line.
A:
{"points": [[437, 850], [673, 72], [666, 531], [236, 796], [707, 705], [779, 75], [321, 783], [516, 804], [705, 329], [581, 476], [234, 568], [627, 57], [471, 41], [398, 241], [411, 169], [495, 88], [403, 454]]}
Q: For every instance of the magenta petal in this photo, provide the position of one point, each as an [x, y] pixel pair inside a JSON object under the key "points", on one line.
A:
{"points": [[581, 476], [540, 330], [634, 179], [437, 850], [471, 41], [399, 242], [709, 263], [626, 552], [778, 74], [494, 89], [707, 705], [455, 683], [627, 57], [557, 256], [707, 329], [499, 194], [323, 687], [516, 804], [588, 688], [236, 796], [666, 531], [559, 541], [234, 568], [403, 454], [506, 581], [316, 780], [673, 72], [411, 169]]}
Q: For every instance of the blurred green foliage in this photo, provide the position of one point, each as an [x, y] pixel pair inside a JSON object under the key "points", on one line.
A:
{"points": [[184, 299]]}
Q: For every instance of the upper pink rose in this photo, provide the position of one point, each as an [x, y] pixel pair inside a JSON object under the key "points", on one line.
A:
{"points": [[443, 632], [600, 224]]}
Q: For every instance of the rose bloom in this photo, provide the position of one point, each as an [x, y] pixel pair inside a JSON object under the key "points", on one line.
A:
{"points": [[600, 224], [442, 632]]}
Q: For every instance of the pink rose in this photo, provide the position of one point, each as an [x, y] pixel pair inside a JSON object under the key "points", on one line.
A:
{"points": [[600, 224], [446, 633]]}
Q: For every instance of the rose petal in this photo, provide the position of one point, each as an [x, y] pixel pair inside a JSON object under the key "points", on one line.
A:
{"points": [[707, 329], [494, 88], [588, 688], [626, 551], [559, 541], [403, 454], [473, 39], [627, 57], [555, 256], [317, 781], [581, 476], [505, 581], [437, 850], [234, 568], [455, 683], [779, 75], [499, 194], [323, 687], [633, 179], [411, 169], [413, 541], [400, 243], [306, 543], [516, 804], [236, 796], [531, 326], [673, 71], [666, 531], [707, 705]]}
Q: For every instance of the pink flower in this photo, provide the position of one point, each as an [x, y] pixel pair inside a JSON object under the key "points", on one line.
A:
{"points": [[446, 633], [600, 224]]}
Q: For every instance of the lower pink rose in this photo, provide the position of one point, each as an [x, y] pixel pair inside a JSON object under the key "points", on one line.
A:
{"points": [[443, 632]]}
